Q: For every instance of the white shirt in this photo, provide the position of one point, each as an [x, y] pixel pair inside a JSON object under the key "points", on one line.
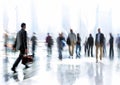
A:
{"points": [[98, 38]]}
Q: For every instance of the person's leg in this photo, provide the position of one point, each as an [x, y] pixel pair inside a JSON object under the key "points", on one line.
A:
{"points": [[79, 49], [50, 50], [85, 50], [97, 53], [33, 48], [72, 49], [17, 61], [69, 47], [110, 52], [91, 51], [88, 51], [60, 53], [101, 52]]}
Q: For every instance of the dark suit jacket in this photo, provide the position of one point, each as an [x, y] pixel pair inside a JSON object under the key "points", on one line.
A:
{"points": [[90, 41], [101, 39], [23, 40]]}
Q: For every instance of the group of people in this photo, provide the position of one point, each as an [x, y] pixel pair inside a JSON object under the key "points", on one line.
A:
{"points": [[73, 40]]}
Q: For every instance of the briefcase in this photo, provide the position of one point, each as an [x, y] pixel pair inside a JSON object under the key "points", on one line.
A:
{"points": [[27, 59]]}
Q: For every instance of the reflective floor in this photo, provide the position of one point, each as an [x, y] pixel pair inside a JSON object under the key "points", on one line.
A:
{"points": [[49, 70]]}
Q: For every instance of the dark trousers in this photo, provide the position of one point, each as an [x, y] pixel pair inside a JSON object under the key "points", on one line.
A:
{"points": [[85, 49], [33, 49], [49, 49], [111, 52], [90, 48], [60, 53], [22, 52]]}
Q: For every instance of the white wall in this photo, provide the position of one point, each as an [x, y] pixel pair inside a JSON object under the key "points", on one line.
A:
{"points": [[54, 16]]}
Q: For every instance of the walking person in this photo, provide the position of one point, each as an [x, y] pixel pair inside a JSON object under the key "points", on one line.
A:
{"points": [[104, 48], [6, 42], [90, 45], [72, 38], [60, 45], [49, 42], [86, 46], [20, 44], [6, 38], [99, 42], [78, 46], [111, 49], [34, 43], [118, 45]]}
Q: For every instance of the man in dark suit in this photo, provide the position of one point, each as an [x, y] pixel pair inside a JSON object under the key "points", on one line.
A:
{"points": [[99, 41], [22, 46], [90, 45]]}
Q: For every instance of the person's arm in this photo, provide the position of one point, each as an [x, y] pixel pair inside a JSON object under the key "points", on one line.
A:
{"points": [[14, 45]]}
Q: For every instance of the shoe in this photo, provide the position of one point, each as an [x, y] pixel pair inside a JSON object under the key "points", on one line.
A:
{"points": [[13, 70], [26, 67]]}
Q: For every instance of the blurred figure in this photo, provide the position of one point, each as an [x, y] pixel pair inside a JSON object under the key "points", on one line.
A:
{"points": [[104, 48], [86, 46], [6, 42], [72, 38], [118, 45], [111, 49], [20, 44], [99, 41], [60, 44], [78, 46], [34, 43], [49, 42], [90, 45]]}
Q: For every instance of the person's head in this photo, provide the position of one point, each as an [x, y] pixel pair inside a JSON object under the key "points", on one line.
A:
{"points": [[71, 30], [48, 34], [77, 34], [98, 30], [61, 34], [90, 35], [34, 33], [110, 34], [23, 25]]}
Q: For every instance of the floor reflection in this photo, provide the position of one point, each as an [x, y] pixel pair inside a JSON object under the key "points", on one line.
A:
{"points": [[48, 62], [99, 74], [67, 74], [83, 71], [90, 70], [5, 69]]}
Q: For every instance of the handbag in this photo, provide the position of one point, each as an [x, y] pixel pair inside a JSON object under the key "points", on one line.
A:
{"points": [[27, 59]]}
